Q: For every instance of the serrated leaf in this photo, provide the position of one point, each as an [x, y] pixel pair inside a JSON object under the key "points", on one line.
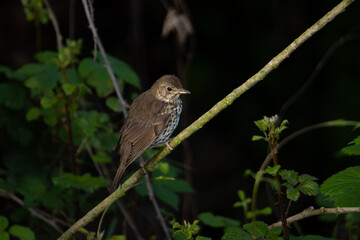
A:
{"points": [[33, 114], [352, 150], [343, 187], [101, 157], [4, 223], [235, 233], [100, 80], [290, 176], [50, 117], [114, 104], [272, 170], [259, 229], [85, 182], [292, 193], [44, 81], [309, 188], [306, 177], [23, 233]]}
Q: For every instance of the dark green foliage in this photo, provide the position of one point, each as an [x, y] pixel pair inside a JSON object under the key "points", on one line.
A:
{"points": [[343, 188]]}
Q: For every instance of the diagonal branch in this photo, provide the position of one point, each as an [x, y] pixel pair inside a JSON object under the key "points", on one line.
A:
{"points": [[315, 212], [200, 122]]}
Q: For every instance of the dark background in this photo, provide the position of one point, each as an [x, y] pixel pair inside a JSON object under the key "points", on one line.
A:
{"points": [[233, 40]]}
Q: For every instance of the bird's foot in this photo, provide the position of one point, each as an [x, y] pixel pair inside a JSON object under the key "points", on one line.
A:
{"points": [[168, 145]]}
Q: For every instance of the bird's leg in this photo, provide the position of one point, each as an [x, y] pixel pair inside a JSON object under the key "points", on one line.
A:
{"points": [[168, 145]]}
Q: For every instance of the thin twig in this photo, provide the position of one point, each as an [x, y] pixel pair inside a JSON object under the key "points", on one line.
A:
{"points": [[35, 212], [54, 23], [315, 212], [119, 204], [215, 110], [154, 202], [106, 61], [315, 73]]}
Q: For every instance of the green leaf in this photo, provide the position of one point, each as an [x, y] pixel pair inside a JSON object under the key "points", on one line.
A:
{"points": [[50, 117], [33, 114], [261, 125], [4, 223], [290, 176], [264, 211], [101, 157], [259, 229], [292, 193], [272, 170], [352, 150], [12, 95], [47, 57], [4, 236], [117, 237], [309, 188], [44, 82], [85, 182], [306, 177], [163, 167], [23, 233], [177, 185], [47, 102], [167, 196], [100, 80], [32, 69], [343, 187], [211, 220], [68, 88], [256, 138], [274, 232], [235, 233], [124, 72], [87, 66], [33, 189], [114, 104], [202, 238]]}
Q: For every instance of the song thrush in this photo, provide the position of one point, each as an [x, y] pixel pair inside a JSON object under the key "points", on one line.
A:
{"points": [[153, 117]]}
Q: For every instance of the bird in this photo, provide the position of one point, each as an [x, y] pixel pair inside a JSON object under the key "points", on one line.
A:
{"points": [[153, 117]]}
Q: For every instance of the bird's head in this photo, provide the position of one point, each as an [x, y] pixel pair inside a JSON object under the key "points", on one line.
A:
{"points": [[168, 88]]}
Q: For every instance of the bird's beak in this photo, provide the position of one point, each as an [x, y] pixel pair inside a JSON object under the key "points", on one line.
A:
{"points": [[182, 91]]}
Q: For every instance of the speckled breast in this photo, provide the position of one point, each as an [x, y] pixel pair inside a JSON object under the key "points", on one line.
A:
{"points": [[171, 126]]}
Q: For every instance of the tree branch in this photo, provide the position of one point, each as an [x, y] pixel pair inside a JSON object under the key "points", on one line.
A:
{"points": [[55, 24], [200, 122], [315, 212], [106, 61]]}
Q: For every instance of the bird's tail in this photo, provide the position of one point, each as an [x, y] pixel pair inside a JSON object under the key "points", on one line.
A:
{"points": [[117, 177]]}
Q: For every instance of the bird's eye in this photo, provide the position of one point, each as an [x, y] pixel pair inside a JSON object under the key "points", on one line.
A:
{"points": [[169, 88]]}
